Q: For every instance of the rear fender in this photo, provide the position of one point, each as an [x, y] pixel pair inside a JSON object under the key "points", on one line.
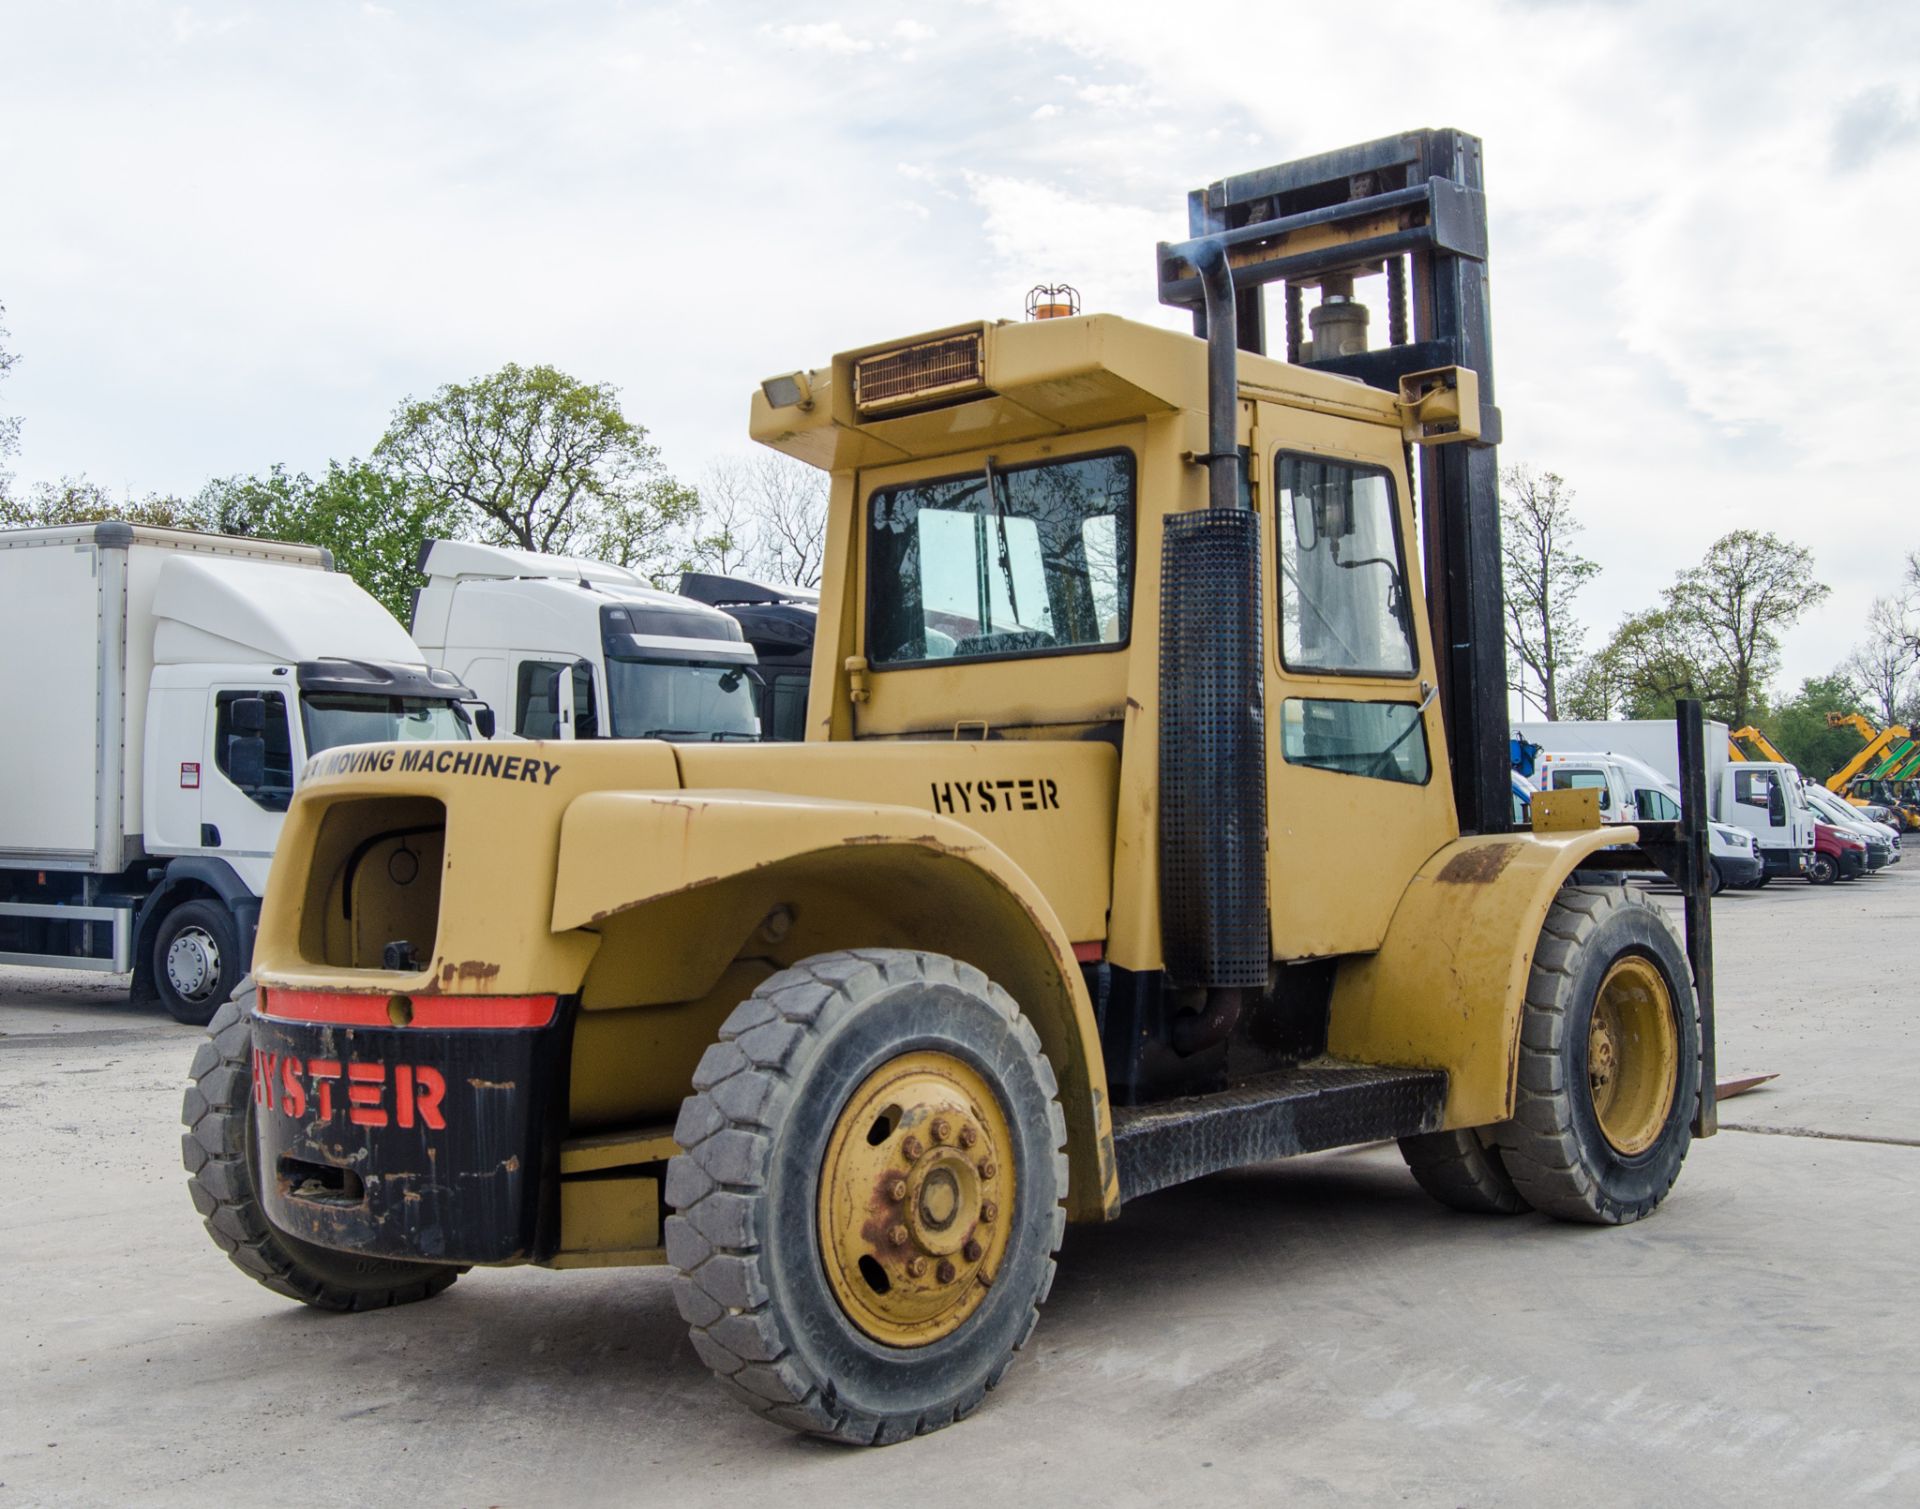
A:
{"points": [[697, 896], [1446, 988]]}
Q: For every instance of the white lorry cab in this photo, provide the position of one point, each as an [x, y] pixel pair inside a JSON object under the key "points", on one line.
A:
{"points": [[1763, 798], [165, 690], [1631, 791], [565, 648]]}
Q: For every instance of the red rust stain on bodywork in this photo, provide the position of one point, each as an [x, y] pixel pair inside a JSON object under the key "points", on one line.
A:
{"points": [[1477, 866]]}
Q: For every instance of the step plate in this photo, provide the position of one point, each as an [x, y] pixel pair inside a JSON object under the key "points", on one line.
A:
{"points": [[1304, 1110]]}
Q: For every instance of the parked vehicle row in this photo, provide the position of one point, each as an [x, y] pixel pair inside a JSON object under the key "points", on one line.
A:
{"points": [[179, 684], [1767, 821]]}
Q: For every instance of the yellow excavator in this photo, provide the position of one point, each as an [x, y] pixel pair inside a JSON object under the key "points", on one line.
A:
{"points": [[1882, 751], [1750, 738]]}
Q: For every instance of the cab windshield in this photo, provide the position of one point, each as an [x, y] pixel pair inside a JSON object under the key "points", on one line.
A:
{"points": [[1000, 561], [690, 700], [336, 718]]}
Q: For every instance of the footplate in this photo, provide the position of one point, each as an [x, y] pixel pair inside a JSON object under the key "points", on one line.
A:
{"points": [[1302, 1110]]}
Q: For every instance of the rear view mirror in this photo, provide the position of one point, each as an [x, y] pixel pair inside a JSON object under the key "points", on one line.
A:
{"points": [[249, 715], [247, 762], [483, 720]]}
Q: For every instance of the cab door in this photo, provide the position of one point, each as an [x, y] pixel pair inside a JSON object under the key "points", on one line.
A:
{"points": [[1357, 789], [246, 785]]}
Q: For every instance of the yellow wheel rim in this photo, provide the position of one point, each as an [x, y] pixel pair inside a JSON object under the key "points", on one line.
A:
{"points": [[916, 1198], [1633, 1055]]}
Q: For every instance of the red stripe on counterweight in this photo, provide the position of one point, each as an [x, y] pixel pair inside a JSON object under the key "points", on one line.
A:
{"points": [[343, 1009]]}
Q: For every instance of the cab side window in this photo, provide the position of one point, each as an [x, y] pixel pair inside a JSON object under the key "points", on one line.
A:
{"points": [[1656, 806], [274, 788], [1583, 780], [1343, 587], [536, 701]]}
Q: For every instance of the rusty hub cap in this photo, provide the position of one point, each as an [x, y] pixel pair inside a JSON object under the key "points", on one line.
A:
{"points": [[918, 1166], [1633, 1055]]}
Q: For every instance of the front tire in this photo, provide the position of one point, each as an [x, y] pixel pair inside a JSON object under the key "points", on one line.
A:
{"points": [[1609, 1071], [870, 1198], [196, 961], [223, 1179], [1821, 870]]}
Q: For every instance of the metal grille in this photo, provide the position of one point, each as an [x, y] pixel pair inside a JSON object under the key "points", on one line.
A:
{"points": [[915, 373], [1213, 780]]}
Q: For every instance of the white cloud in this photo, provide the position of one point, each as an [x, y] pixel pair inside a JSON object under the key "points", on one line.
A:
{"points": [[1045, 112], [821, 36]]}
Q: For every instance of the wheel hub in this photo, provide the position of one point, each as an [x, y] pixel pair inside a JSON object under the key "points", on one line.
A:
{"points": [[193, 964], [915, 1189], [1633, 1055]]}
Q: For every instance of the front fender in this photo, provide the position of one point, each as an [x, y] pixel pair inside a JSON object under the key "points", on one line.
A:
{"points": [[675, 880], [1446, 988]]}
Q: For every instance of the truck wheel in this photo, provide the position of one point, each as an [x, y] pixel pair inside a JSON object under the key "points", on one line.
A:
{"points": [[196, 960], [1821, 870], [1609, 1068], [219, 1152], [870, 1198], [1463, 1170]]}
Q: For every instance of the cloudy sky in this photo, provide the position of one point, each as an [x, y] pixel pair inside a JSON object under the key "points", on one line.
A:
{"points": [[235, 234]]}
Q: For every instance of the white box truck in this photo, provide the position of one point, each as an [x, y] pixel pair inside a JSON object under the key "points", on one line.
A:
{"points": [[163, 689], [1762, 797], [565, 648]]}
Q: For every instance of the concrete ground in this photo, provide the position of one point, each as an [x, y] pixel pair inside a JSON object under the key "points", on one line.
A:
{"points": [[1308, 1332]]}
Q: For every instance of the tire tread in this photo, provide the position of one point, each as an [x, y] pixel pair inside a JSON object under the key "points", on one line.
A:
{"points": [[718, 1284]]}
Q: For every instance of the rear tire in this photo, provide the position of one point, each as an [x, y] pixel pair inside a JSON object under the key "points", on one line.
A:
{"points": [[196, 960], [1609, 1071], [1464, 1170], [218, 1150], [822, 1287]]}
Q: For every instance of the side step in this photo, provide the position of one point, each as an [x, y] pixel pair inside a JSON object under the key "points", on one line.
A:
{"points": [[1308, 1109]]}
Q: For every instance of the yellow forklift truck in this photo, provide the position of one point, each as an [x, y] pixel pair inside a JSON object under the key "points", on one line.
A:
{"points": [[1153, 820]]}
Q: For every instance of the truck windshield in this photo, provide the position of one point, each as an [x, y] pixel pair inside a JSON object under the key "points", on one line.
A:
{"points": [[665, 699], [335, 718]]}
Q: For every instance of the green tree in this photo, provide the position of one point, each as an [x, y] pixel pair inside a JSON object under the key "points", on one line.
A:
{"points": [[543, 461], [1736, 603], [373, 522], [1799, 728], [1651, 661], [1542, 572], [79, 500]]}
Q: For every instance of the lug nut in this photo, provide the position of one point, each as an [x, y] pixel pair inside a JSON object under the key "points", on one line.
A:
{"points": [[971, 1252], [968, 1136], [941, 1131], [898, 1236], [988, 1169], [897, 1190], [911, 1147], [988, 1211], [917, 1266], [944, 1272]]}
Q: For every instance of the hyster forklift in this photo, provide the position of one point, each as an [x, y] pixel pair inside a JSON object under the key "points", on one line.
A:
{"points": [[1153, 819]]}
